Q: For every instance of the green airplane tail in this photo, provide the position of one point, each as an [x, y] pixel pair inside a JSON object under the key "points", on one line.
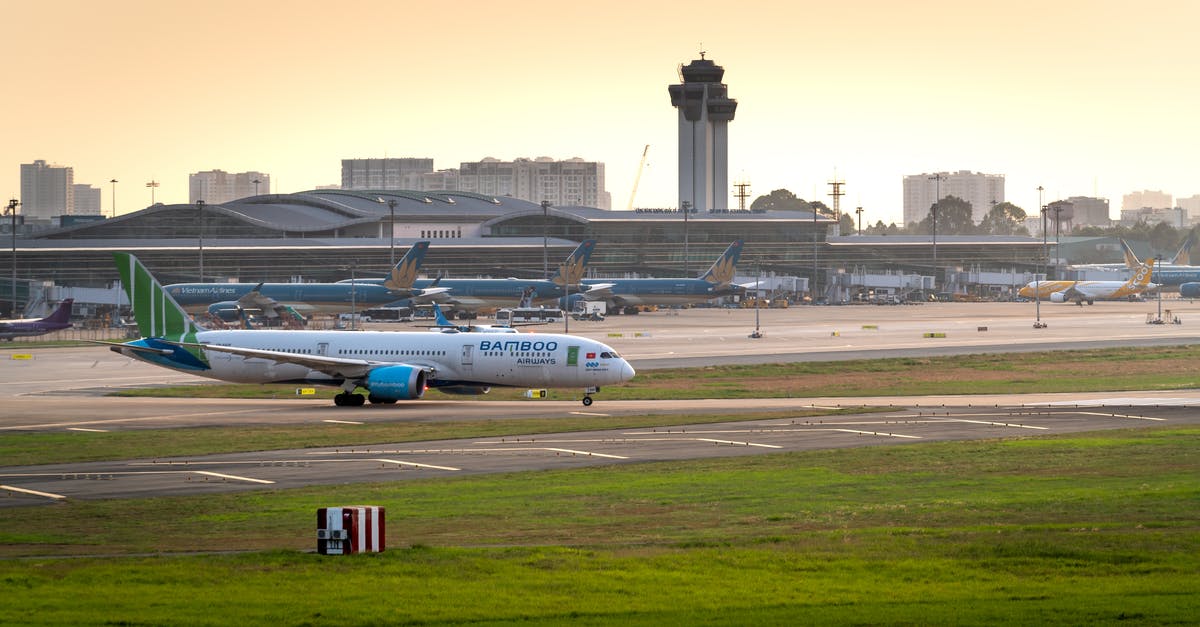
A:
{"points": [[157, 314]]}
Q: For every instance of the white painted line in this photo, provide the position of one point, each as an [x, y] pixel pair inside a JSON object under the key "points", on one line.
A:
{"points": [[50, 425], [1103, 415], [584, 413], [87, 430], [890, 435], [33, 492], [1128, 401], [585, 453], [995, 424], [737, 443], [343, 422], [402, 463], [234, 477]]}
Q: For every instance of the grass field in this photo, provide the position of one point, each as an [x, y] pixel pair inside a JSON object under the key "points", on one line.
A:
{"points": [[1082, 529], [1091, 528]]}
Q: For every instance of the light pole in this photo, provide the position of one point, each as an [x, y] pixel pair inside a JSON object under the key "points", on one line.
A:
{"points": [[813, 289], [687, 208], [859, 212], [151, 185], [12, 212], [391, 203], [200, 238], [545, 253], [1037, 287], [933, 211], [114, 197], [255, 187]]}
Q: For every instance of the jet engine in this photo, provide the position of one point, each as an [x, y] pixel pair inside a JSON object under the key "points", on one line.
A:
{"points": [[227, 311], [396, 382], [466, 390], [1058, 297]]}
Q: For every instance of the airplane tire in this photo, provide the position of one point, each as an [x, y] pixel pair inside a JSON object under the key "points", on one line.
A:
{"points": [[339, 399], [375, 400], [357, 400], [587, 401]]}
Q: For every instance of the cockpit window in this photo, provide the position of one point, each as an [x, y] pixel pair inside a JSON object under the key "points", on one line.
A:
{"points": [[608, 355]]}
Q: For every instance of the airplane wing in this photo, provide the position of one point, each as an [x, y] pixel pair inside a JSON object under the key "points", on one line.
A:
{"points": [[332, 366], [255, 301], [432, 295], [598, 291]]}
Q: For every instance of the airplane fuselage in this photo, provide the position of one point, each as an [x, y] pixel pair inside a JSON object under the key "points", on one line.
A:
{"points": [[661, 292], [306, 298], [521, 360]]}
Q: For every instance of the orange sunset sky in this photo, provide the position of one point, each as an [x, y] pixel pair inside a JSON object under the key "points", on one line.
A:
{"points": [[1083, 98]]}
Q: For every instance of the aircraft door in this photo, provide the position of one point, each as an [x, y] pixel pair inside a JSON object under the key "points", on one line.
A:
{"points": [[323, 349], [468, 358]]}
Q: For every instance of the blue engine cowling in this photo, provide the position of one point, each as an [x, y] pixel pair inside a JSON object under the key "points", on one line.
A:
{"points": [[1189, 290], [227, 311], [465, 390], [396, 383]]}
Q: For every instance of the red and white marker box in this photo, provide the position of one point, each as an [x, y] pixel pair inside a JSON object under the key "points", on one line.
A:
{"points": [[352, 529]]}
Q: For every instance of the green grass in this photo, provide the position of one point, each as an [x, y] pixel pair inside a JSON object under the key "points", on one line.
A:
{"points": [[1075, 529]]}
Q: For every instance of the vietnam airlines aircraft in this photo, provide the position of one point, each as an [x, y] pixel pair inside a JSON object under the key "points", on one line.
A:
{"points": [[628, 293], [390, 365], [28, 327], [229, 300], [1091, 291], [471, 295]]}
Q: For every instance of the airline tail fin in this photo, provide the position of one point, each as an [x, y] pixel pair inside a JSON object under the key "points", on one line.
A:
{"points": [[1141, 278], [405, 272], [571, 271], [1131, 258], [1184, 256], [439, 318], [723, 269], [157, 314], [62, 314]]}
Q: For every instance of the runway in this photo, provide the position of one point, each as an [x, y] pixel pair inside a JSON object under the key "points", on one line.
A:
{"points": [[57, 390]]}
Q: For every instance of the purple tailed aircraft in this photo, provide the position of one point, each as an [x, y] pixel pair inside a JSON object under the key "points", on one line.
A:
{"points": [[60, 319]]}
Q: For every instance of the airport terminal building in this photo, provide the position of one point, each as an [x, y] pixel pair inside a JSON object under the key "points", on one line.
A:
{"points": [[325, 235]]}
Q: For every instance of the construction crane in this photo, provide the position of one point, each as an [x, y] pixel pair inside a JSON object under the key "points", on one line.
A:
{"points": [[638, 177]]}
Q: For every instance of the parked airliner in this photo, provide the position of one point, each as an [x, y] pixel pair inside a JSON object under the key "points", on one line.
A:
{"points": [[230, 300], [28, 327], [1091, 291], [628, 293], [391, 366]]}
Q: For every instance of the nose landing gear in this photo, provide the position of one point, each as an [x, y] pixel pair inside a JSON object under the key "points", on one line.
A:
{"points": [[587, 395]]}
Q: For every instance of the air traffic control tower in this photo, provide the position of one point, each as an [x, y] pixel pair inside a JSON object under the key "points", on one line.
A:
{"points": [[704, 114]]}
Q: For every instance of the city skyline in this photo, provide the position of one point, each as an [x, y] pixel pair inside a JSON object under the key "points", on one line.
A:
{"points": [[1081, 98]]}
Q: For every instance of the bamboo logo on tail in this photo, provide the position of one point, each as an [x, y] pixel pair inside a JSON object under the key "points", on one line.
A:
{"points": [[157, 314]]}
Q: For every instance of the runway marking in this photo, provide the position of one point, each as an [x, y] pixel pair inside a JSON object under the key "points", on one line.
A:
{"points": [[586, 453], [51, 425], [1128, 416], [1129, 401], [234, 477], [890, 435], [87, 430], [401, 463], [33, 492], [585, 413], [996, 424], [732, 442], [343, 422]]}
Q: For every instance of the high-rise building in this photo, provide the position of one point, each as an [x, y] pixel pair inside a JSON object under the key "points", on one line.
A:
{"points": [[1087, 211], [563, 183], [401, 173], [1191, 205], [921, 191], [217, 186], [1146, 199], [87, 200], [46, 190], [705, 111]]}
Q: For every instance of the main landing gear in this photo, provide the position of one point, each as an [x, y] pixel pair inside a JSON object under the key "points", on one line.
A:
{"points": [[346, 399]]}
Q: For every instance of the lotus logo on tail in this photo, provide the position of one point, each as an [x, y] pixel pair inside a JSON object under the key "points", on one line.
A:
{"points": [[405, 272], [571, 271], [723, 270]]}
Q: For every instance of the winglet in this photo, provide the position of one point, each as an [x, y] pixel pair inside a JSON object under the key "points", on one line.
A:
{"points": [[723, 269], [405, 272], [157, 313]]}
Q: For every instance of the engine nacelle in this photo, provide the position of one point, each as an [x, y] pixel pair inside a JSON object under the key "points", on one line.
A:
{"points": [[465, 390], [1189, 290], [396, 383], [227, 311], [1058, 297]]}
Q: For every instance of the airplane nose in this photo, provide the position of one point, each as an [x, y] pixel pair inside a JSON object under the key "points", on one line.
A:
{"points": [[626, 371]]}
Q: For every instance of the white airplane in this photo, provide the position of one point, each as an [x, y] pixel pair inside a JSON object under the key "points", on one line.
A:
{"points": [[1091, 291], [390, 365], [442, 324]]}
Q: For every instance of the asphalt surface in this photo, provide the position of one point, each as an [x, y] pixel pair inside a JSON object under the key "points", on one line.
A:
{"points": [[61, 390]]}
